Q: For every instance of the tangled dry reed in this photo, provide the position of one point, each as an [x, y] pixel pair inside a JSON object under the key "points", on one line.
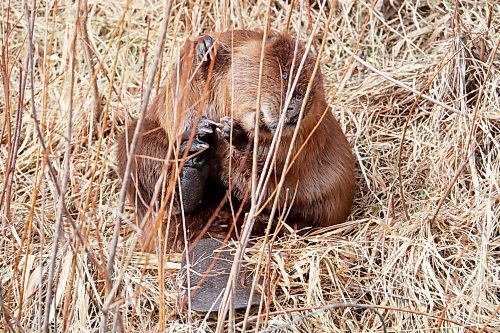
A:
{"points": [[415, 86]]}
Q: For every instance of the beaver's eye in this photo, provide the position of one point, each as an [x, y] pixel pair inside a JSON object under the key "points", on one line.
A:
{"points": [[299, 96], [284, 75]]}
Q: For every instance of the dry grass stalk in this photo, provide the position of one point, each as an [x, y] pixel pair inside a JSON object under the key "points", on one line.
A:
{"points": [[415, 86]]}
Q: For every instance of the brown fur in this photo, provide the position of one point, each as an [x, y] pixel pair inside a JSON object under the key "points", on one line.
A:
{"points": [[323, 173]]}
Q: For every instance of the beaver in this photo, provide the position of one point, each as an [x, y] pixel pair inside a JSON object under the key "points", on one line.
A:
{"points": [[217, 79], [322, 176]]}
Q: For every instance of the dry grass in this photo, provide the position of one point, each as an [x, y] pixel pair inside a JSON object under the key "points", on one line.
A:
{"points": [[422, 245]]}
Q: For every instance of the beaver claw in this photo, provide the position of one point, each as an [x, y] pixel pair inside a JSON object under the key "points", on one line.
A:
{"points": [[205, 129]]}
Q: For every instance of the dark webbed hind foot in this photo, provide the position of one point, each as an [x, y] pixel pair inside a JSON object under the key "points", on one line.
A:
{"points": [[196, 168]]}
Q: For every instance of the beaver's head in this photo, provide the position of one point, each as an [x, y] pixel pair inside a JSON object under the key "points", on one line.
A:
{"points": [[282, 59]]}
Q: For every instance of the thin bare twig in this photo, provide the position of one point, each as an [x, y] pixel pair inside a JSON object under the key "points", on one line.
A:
{"points": [[88, 59], [11, 164], [237, 5], [133, 146], [126, 177], [493, 314], [67, 160], [51, 169]]}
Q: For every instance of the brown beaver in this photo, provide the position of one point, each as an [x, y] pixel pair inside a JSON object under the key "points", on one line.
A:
{"points": [[323, 173], [217, 77]]}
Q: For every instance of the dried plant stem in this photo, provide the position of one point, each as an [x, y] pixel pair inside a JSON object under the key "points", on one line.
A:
{"points": [[6, 76], [47, 162], [67, 162], [229, 292], [88, 58], [7, 315], [95, 163], [152, 74], [126, 178], [6, 192], [493, 314], [145, 58], [418, 93], [237, 5], [27, 236], [67, 299], [14, 148]]}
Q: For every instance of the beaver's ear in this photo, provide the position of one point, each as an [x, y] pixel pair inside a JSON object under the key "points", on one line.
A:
{"points": [[279, 45], [272, 38]]}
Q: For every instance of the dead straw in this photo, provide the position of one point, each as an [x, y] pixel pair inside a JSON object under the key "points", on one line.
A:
{"points": [[432, 268]]}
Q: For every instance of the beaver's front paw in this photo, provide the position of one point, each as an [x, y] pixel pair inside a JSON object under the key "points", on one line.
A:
{"points": [[197, 166], [239, 137], [202, 138]]}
